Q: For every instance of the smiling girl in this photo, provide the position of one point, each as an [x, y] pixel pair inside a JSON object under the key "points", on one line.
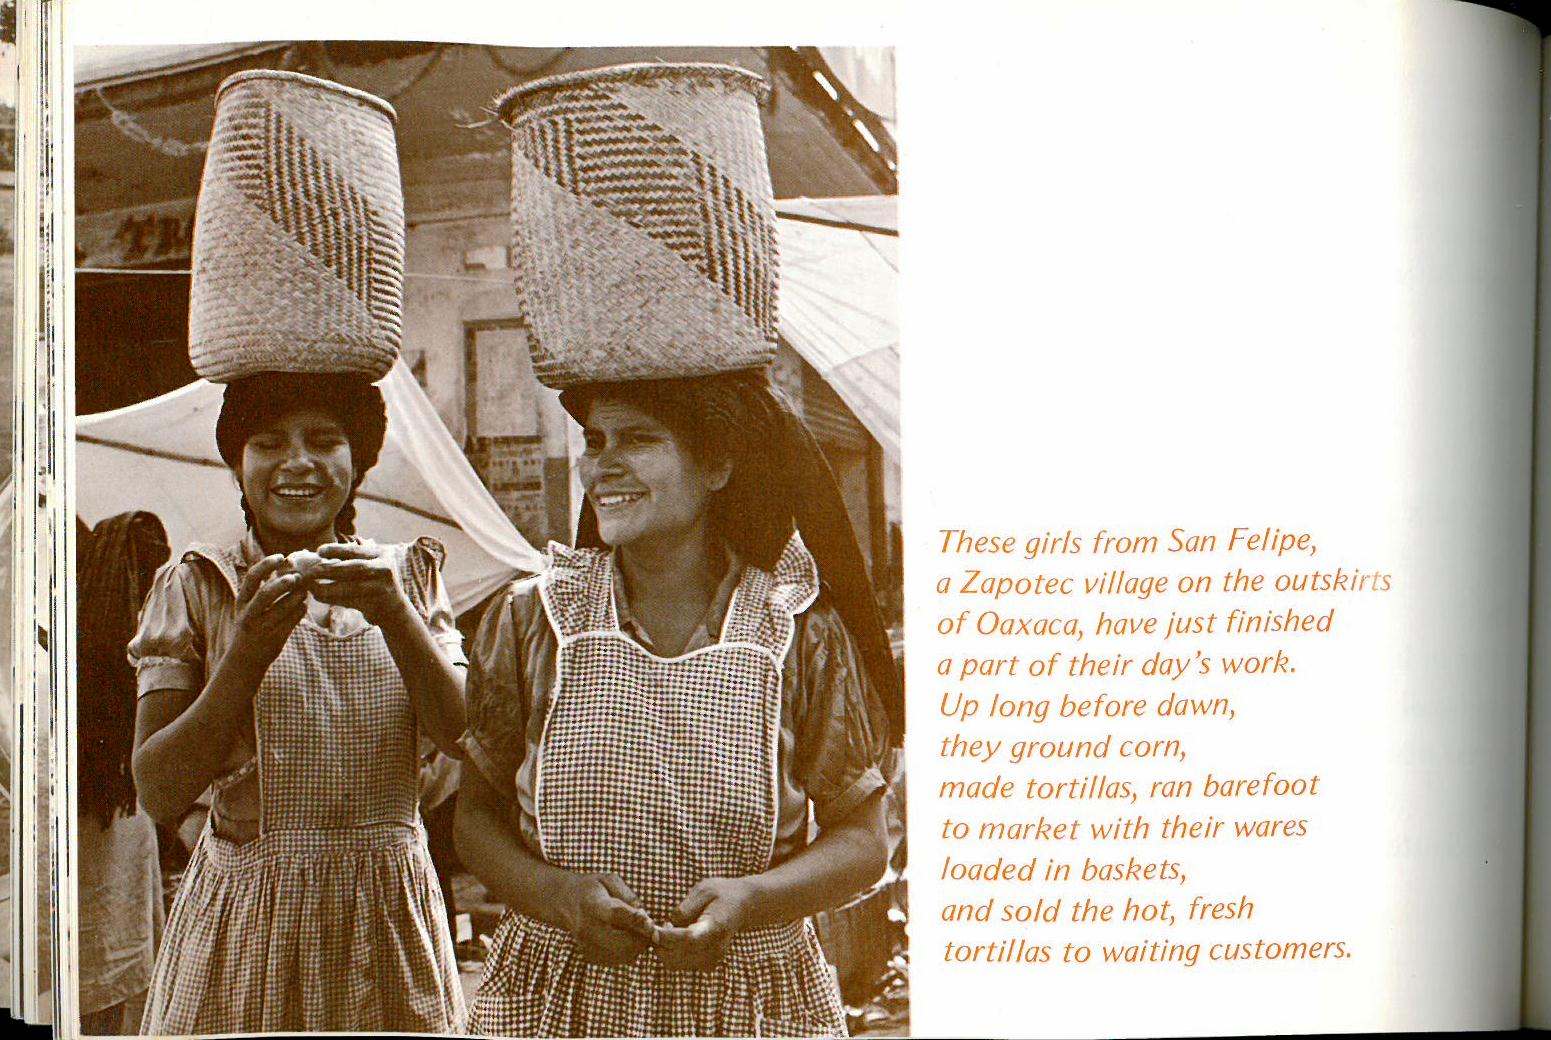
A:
{"points": [[310, 902], [654, 719], [676, 730]]}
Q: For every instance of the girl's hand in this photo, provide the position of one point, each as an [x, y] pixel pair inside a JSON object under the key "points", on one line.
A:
{"points": [[607, 919], [364, 577], [713, 912], [268, 607]]}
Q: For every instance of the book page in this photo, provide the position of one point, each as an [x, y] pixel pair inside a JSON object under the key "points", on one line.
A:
{"points": [[1216, 329], [8, 317], [1537, 866], [1219, 324], [27, 665]]}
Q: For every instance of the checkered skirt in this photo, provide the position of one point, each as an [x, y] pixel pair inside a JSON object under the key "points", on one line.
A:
{"points": [[663, 771], [332, 919], [306, 931], [774, 982]]}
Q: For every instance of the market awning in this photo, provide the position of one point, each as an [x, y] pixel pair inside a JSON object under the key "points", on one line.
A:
{"points": [[160, 456], [840, 302]]}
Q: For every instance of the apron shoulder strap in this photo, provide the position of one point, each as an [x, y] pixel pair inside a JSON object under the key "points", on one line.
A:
{"points": [[765, 606], [577, 588], [419, 562], [227, 559]]}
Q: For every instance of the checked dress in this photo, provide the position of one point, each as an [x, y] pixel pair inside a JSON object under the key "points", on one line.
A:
{"points": [[331, 918], [662, 770]]}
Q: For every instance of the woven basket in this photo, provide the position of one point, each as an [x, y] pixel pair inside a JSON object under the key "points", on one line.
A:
{"points": [[299, 235], [643, 226]]}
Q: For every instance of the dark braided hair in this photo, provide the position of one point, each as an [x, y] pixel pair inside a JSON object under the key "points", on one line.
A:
{"points": [[257, 402], [780, 482]]}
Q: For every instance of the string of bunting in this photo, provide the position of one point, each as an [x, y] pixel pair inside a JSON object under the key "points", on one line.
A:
{"points": [[331, 72], [130, 126], [133, 129], [185, 272]]}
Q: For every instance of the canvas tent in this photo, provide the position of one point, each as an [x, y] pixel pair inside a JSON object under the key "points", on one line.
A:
{"points": [[840, 302], [160, 456]]}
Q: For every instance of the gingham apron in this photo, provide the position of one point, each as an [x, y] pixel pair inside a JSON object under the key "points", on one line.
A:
{"points": [[662, 770], [332, 918]]}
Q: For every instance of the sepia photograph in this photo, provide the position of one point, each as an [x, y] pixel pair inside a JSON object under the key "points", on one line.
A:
{"points": [[488, 541], [8, 75]]}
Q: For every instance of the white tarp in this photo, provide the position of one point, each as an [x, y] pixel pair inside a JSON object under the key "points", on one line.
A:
{"points": [[868, 73], [840, 302], [160, 456]]}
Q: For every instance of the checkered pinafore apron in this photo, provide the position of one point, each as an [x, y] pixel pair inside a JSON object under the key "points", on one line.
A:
{"points": [[662, 770], [331, 919]]}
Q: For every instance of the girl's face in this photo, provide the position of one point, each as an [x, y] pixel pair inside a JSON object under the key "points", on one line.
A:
{"points": [[642, 483], [297, 474]]}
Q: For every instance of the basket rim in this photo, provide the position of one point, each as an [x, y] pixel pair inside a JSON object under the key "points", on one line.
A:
{"points": [[302, 79], [503, 103], [564, 372]]}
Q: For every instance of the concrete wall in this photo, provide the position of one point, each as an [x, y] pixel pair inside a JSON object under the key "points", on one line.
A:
{"points": [[458, 285]]}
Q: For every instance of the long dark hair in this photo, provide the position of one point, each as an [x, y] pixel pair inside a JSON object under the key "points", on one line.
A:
{"points": [[257, 402], [114, 565], [780, 482]]}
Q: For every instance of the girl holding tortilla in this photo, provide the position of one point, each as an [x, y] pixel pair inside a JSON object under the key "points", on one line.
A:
{"points": [[294, 672]]}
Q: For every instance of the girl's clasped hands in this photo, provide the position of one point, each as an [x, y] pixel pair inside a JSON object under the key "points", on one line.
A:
{"points": [[613, 927]]}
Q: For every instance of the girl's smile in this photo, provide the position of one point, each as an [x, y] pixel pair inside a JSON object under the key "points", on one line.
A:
{"points": [[641, 481], [297, 475]]}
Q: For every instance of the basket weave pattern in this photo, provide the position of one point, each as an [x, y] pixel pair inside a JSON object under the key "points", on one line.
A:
{"points": [[643, 227], [299, 240]]}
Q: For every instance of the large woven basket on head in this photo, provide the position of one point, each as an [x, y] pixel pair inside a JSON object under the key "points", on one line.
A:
{"points": [[299, 235], [643, 226]]}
